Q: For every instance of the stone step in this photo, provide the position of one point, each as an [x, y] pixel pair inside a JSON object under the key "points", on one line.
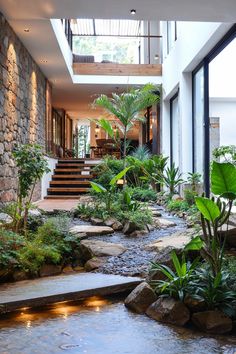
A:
{"points": [[48, 290]]}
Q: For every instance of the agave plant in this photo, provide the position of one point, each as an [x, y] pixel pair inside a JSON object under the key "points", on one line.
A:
{"points": [[141, 153], [171, 178]]}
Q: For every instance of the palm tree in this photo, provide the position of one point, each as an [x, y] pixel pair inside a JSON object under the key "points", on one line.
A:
{"points": [[128, 107]]}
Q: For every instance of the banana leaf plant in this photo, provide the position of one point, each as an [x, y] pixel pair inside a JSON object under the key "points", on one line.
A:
{"points": [[215, 213], [109, 192]]}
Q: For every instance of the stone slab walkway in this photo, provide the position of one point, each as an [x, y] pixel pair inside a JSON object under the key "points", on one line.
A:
{"points": [[44, 291], [57, 204]]}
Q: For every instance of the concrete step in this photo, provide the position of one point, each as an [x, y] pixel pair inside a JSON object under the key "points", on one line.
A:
{"points": [[48, 290]]}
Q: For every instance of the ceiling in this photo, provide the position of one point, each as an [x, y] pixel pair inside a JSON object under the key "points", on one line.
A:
{"points": [[183, 10], [43, 45]]}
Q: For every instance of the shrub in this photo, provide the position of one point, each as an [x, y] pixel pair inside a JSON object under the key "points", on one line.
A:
{"points": [[177, 280], [213, 290], [34, 254], [143, 194], [177, 205], [10, 244], [139, 217]]}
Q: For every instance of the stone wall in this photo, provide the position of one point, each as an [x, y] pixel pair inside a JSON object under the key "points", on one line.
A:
{"points": [[22, 106]]}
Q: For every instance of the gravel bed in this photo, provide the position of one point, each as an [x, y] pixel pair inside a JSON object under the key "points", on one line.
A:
{"points": [[135, 261]]}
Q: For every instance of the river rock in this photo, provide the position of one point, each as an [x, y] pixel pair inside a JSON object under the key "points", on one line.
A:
{"points": [[169, 310], [162, 257], [139, 233], [140, 298], [36, 213], [90, 249], [5, 219], [91, 230], [129, 227], [94, 263], [50, 269], [215, 322], [229, 232], [176, 241], [114, 223], [96, 221], [163, 223]]}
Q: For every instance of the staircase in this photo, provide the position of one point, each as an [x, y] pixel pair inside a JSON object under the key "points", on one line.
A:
{"points": [[71, 178]]}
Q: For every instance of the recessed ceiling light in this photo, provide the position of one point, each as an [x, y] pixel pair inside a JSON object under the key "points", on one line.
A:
{"points": [[26, 30], [133, 12], [44, 61]]}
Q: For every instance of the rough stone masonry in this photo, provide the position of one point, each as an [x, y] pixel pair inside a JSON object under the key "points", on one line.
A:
{"points": [[22, 106]]}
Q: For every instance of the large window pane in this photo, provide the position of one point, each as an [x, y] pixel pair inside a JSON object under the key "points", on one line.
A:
{"points": [[175, 144], [222, 98], [198, 120]]}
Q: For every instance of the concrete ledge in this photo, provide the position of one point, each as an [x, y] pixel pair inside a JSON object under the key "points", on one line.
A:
{"points": [[45, 291]]}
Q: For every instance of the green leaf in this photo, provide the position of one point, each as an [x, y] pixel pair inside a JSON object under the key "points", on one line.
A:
{"points": [[223, 180], [119, 176], [98, 187], [208, 208], [194, 245], [217, 280], [176, 263]]}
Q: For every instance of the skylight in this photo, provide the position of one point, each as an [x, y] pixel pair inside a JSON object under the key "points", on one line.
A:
{"points": [[96, 27]]}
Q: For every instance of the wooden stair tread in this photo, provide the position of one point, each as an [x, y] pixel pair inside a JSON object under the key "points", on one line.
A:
{"points": [[76, 164], [54, 196], [68, 189], [69, 182], [79, 176], [71, 169]]}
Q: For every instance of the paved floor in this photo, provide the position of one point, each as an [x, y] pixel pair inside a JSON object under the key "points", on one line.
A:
{"points": [[57, 204], [43, 291]]}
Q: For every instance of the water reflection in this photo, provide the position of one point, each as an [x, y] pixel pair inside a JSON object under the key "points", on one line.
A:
{"points": [[77, 328]]}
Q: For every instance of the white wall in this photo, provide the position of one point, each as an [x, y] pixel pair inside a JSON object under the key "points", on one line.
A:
{"points": [[225, 109], [47, 176], [194, 41]]}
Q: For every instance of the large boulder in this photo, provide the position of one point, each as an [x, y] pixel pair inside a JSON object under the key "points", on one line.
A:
{"points": [[169, 310], [140, 298], [215, 322], [114, 223], [50, 269], [94, 248], [176, 241], [163, 223], [5, 219], [129, 227], [162, 257], [229, 233], [91, 230], [94, 263], [96, 221]]}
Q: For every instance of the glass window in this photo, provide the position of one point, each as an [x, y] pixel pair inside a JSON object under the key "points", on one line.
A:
{"points": [[174, 127], [171, 34], [198, 120], [222, 98]]}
